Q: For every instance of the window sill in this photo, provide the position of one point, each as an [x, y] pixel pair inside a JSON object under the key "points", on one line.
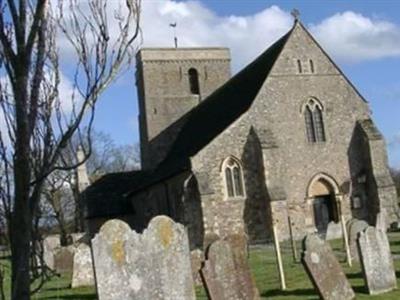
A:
{"points": [[235, 198], [317, 143]]}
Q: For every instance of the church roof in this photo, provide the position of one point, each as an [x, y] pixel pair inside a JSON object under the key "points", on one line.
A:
{"points": [[224, 106], [200, 126]]}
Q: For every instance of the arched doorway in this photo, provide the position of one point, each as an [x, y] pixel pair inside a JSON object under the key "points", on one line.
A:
{"points": [[322, 192]]}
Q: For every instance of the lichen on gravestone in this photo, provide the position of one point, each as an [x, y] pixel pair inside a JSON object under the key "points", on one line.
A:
{"points": [[376, 261], [149, 266], [324, 270]]}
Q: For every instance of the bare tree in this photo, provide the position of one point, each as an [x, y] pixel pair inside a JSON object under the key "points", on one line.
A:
{"points": [[107, 157], [62, 191], [38, 127]]}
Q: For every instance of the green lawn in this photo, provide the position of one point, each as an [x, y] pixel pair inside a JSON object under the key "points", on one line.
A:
{"points": [[264, 268], [265, 271]]}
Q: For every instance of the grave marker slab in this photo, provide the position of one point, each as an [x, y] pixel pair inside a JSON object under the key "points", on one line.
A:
{"points": [[381, 220], [324, 270], [148, 266], [64, 259], [333, 231], [82, 274], [376, 261], [50, 244], [226, 272], [355, 228]]}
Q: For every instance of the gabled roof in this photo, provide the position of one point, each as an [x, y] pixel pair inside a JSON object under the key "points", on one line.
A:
{"points": [[105, 197], [224, 106]]}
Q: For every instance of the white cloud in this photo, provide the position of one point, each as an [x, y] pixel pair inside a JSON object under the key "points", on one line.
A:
{"points": [[246, 36], [347, 36], [352, 37]]}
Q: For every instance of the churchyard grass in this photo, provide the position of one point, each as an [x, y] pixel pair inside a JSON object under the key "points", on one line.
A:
{"points": [[263, 265]]}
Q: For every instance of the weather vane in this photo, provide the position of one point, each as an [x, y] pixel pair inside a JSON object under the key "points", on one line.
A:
{"points": [[173, 25], [296, 14]]}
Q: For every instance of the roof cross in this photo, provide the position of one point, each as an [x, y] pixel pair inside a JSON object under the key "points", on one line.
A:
{"points": [[296, 14], [173, 25]]}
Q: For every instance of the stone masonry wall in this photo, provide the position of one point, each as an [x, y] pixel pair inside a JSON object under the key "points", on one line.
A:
{"points": [[164, 90], [278, 109]]}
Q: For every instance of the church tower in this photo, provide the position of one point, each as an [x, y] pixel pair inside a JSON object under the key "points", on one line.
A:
{"points": [[170, 82]]}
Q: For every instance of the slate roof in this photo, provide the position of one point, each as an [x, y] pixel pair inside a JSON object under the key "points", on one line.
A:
{"points": [[200, 126], [105, 197]]}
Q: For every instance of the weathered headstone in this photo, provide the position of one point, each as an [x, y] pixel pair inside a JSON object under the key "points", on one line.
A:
{"points": [[381, 220], [50, 244], [226, 273], [64, 259], [152, 265], [210, 238], [376, 261], [324, 270], [355, 227], [333, 231], [82, 274]]}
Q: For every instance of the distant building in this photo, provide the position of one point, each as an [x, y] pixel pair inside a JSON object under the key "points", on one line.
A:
{"points": [[288, 136]]}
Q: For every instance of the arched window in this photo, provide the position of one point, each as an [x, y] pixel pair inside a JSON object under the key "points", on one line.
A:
{"points": [[233, 176], [311, 66], [194, 81], [314, 121], [299, 68]]}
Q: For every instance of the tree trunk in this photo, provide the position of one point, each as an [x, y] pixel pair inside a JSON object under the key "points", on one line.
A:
{"points": [[21, 224], [21, 232]]}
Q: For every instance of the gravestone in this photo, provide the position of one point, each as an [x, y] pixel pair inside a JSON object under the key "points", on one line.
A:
{"points": [[152, 265], [64, 259], [226, 273], [238, 242], [50, 244], [324, 270], [333, 231], [381, 220], [355, 228], [82, 274], [376, 261]]}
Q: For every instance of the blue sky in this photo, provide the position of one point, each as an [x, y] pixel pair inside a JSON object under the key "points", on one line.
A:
{"points": [[363, 37]]}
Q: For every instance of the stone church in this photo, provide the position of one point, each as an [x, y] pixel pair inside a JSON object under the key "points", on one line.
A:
{"points": [[288, 137]]}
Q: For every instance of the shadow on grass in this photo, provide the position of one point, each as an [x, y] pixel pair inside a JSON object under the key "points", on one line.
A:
{"points": [[298, 292], [354, 275], [360, 289], [58, 288]]}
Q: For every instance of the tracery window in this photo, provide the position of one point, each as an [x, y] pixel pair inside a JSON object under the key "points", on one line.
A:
{"points": [[194, 81], [314, 121], [233, 176]]}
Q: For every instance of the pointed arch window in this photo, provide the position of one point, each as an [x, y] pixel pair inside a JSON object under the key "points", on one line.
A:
{"points": [[233, 177], [194, 81], [313, 115]]}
